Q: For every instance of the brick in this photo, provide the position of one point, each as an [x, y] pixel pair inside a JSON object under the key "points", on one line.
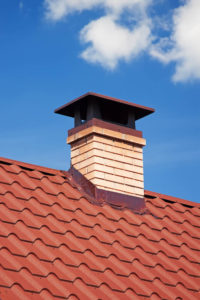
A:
{"points": [[90, 146], [124, 145], [115, 164], [124, 137], [75, 152], [128, 174], [90, 138], [133, 182], [87, 148], [112, 156], [84, 163], [114, 178], [122, 166], [111, 133], [70, 139], [104, 140], [137, 169], [100, 160], [117, 150], [79, 143], [114, 149], [134, 169], [89, 176], [84, 132], [138, 162], [134, 190], [79, 158], [106, 132], [101, 168], [124, 159], [96, 174], [83, 171], [137, 140], [109, 184], [107, 141], [91, 153], [138, 149], [113, 171], [80, 135], [113, 186], [118, 191]]}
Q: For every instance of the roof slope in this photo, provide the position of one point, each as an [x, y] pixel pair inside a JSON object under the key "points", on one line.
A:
{"points": [[55, 244]]}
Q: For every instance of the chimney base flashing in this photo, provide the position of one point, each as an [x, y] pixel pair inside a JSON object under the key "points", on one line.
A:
{"points": [[101, 197]]}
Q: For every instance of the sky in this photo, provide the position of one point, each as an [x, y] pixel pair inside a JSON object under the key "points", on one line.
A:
{"points": [[143, 51]]}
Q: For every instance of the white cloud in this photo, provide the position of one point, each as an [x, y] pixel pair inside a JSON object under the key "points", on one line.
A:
{"points": [[110, 42], [107, 40], [124, 31], [183, 46], [58, 9]]}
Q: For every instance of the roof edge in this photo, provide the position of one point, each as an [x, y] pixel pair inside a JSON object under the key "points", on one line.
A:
{"points": [[30, 166], [171, 198]]}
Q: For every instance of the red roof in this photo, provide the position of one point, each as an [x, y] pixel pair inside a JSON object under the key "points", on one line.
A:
{"points": [[55, 244]]}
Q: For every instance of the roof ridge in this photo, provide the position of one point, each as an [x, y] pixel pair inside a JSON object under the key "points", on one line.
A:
{"points": [[52, 171], [34, 167], [171, 199]]}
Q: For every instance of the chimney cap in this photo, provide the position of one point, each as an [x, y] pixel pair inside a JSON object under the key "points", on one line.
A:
{"points": [[106, 103]]}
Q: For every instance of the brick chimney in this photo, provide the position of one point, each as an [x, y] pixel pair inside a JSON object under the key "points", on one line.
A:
{"points": [[105, 146]]}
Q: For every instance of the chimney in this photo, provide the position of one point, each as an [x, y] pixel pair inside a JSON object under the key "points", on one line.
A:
{"points": [[105, 146]]}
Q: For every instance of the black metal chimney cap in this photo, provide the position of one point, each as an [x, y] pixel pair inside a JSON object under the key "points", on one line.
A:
{"points": [[107, 104]]}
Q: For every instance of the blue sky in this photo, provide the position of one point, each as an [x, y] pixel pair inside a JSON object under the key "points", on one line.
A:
{"points": [[139, 52]]}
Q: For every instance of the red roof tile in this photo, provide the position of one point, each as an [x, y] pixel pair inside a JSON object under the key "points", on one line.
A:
{"points": [[55, 244]]}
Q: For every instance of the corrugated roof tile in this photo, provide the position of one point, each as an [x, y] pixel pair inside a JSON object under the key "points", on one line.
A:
{"points": [[55, 244]]}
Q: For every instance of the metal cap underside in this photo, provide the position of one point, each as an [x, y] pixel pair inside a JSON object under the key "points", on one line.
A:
{"points": [[108, 106], [92, 105]]}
